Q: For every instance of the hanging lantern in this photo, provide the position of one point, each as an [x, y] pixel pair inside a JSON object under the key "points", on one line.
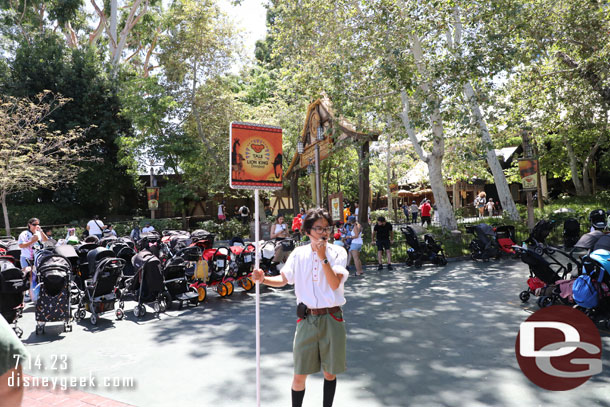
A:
{"points": [[300, 147], [320, 133]]}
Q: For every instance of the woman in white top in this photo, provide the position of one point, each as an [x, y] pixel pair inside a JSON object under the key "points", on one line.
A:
{"points": [[355, 234], [279, 231], [490, 207]]}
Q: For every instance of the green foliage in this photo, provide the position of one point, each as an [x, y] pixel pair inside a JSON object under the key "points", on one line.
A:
{"points": [[49, 213], [226, 230], [47, 64]]}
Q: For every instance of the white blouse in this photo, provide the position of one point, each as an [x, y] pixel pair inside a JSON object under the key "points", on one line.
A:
{"points": [[304, 269]]}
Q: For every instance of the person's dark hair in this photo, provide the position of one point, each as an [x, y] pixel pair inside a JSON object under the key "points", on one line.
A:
{"points": [[381, 219], [96, 217], [32, 220], [313, 215]]}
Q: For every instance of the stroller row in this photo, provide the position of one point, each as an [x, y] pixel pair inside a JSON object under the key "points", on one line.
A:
{"points": [[97, 276]]}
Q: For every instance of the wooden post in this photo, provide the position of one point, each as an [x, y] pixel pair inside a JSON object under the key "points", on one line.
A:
{"points": [[294, 190], [364, 187]]}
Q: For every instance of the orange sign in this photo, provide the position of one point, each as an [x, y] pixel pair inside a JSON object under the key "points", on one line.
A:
{"points": [[256, 156], [528, 169], [152, 194]]}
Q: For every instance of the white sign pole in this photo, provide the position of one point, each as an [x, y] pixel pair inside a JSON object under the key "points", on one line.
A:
{"points": [[258, 301]]}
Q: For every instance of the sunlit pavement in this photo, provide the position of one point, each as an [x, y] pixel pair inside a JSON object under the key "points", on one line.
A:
{"points": [[435, 336]]}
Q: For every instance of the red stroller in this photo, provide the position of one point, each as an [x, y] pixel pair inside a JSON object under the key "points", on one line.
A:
{"points": [[241, 262]]}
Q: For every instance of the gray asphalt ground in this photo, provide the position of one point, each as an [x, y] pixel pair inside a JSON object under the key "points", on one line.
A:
{"points": [[436, 336]]}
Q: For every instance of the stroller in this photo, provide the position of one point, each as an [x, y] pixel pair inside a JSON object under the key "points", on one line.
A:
{"points": [[484, 246], [542, 230], [421, 252], [571, 232], [591, 289], [241, 260], [69, 252], [102, 286], [12, 286], [274, 255], [178, 272], [505, 235], [147, 284], [214, 273], [82, 273], [547, 274], [55, 290], [124, 250], [150, 241], [172, 242]]}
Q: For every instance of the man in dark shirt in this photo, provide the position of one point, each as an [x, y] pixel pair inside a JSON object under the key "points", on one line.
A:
{"points": [[385, 237]]}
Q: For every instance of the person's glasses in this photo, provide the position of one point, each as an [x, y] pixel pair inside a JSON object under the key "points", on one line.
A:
{"points": [[320, 229], [34, 224]]}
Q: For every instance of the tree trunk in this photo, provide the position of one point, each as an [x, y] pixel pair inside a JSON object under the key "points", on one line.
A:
{"points": [[114, 6], [7, 225], [434, 161], [574, 168], [389, 171], [294, 190], [363, 196], [506, 199]]}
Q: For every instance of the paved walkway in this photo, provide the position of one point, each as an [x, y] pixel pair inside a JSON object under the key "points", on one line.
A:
{"points": [[41, 397], [428, 337]]}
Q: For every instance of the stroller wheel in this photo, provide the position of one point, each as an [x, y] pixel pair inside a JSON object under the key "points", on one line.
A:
{"points": [[18, 332], [247, 283], [230, 287], [546, 302], [442, 260], [93, 319], [409, 262], [80, 314], [222, 289], [203, 293], [156, 307], [119, 314], [162, 306], [524, 296]]}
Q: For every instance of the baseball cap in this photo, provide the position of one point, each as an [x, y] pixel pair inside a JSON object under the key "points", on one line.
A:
{"points": [[337, 236], [351, 218]]}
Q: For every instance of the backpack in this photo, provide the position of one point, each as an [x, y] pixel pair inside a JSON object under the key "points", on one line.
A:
{"points": [[584, 292], [244, 210]]}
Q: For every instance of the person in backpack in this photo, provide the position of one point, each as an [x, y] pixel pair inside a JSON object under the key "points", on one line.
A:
{"points": [[479, 203], [244, 214]]}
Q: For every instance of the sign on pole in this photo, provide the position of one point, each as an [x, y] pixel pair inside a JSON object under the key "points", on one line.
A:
{"points": [[255, 163], [256, 156], [335, 203], [153, 198], [528, 170]]}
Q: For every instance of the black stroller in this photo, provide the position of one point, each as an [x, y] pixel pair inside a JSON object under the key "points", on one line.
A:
{"points": [[101, 289], [123, 249], [542, 230], [150, 241], [571, 232], [147, 284], [485, 245], [428, 251], [69, 252], [12, 286], [546, 270], [178, 273], [55, 279], [82, 273]]}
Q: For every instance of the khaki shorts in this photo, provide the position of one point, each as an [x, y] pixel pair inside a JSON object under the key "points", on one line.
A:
{"points": [[319, 342]]}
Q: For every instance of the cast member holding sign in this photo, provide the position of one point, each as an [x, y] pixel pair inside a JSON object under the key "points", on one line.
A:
{"points": [[318, 273]]}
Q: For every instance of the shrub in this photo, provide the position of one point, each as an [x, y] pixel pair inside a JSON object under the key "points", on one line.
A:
{"points": [[226, 230]]}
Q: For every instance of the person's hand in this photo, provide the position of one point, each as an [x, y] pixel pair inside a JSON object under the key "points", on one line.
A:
{"points": [[258, 275], [34, 238], [320, 248]]}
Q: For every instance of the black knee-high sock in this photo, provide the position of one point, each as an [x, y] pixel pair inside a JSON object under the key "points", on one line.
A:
{"points": [[329, 392], [297, 398]]}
